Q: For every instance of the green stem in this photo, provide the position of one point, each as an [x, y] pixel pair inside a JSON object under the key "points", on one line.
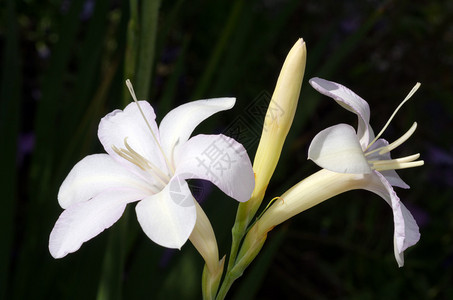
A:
{"points": [[226, 285], [245, 213], [237, 232], [249, 250]]}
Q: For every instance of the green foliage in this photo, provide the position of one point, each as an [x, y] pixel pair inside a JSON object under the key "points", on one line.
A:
{"points": [[63, 68]]}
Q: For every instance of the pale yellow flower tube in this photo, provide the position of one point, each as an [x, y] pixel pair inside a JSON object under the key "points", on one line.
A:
{"points": [[203, 239], [311, 191]]}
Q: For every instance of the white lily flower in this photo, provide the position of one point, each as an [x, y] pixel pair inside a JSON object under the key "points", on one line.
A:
{"points": [[343, 150], [149, 164]]}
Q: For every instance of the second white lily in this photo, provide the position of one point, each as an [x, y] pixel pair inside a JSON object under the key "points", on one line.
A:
{"points": [[343, 150]]}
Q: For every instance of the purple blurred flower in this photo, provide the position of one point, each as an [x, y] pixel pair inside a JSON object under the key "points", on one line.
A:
{"points": [[439, 156], [87, 11], [25, 146], [350, 25], [420, 215], [442, 161]]}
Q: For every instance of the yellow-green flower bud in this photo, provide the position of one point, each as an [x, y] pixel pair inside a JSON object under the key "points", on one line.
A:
{"points": [[280, 115], [278, 120]]}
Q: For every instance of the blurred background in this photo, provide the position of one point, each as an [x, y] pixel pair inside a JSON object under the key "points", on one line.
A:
{"points": [[63, 66]]}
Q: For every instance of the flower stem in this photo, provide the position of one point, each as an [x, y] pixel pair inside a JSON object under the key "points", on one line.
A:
{"points": [[226, 285], [245, 213], [311, 191], [249, 251]]}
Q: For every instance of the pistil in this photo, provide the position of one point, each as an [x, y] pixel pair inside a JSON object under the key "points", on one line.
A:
{"points": [[131, 90], [411, 93]]}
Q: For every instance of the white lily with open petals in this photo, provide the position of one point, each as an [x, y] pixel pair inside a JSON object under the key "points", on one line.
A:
{"points": [[149, 164], [341, 149]]}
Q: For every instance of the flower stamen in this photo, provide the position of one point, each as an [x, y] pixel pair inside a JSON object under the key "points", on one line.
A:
{"points": [[395, 144], [401, 140], [132, 156], [393, 164], [398, 163]]}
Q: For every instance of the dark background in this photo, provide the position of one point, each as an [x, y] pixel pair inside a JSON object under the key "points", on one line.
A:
{"points": [[63, 67]]}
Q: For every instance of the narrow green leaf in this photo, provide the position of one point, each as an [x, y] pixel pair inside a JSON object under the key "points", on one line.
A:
{"points": [[219, 49], [10, 93], [38, 212], [147, 35], [166, 101], [111, 283]]}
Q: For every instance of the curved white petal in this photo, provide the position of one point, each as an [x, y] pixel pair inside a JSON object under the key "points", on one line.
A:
{"points": [[391, 175], [337, 149], [350, 101], [118, 125], [168, 217], [82, 221], [219, 159], [406, 229], [394, 179], [177, 126], [398, 256], [95, 174]]}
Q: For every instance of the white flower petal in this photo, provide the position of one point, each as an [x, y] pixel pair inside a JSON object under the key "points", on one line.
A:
{"points": [[118, 125], [82, 221], [406, 229], [177, 126], [399, 256], [95, 174], [337, 149], [168, 217], [219, 159], [394, 179], [350, 101]]}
